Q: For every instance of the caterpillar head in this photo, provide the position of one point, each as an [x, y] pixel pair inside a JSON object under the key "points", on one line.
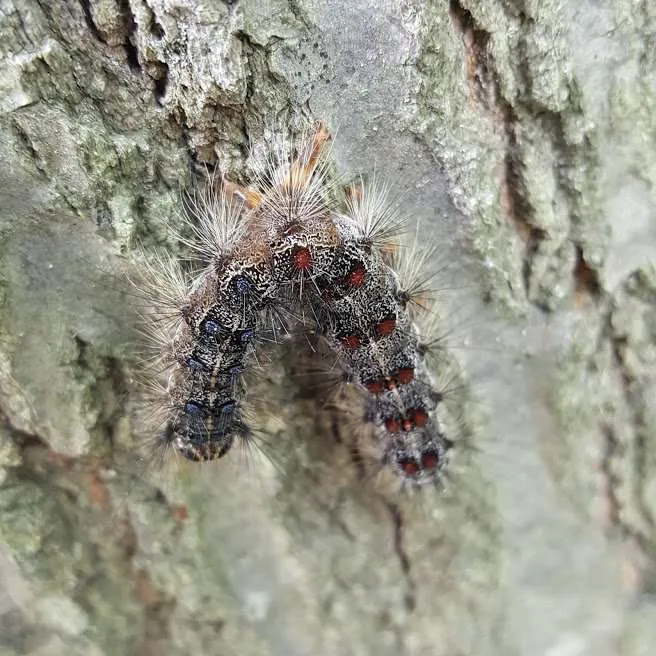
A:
{"points": [[200, 434]]}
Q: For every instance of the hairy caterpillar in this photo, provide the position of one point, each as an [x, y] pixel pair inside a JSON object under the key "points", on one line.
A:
{"points": [[288, 248]]}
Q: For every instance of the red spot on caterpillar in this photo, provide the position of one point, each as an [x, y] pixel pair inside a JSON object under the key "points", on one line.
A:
{"points": [[392, 424], [419, 417], [407, 425], [409, 467], [350, 341], [386, 327], [375, 386], [302, 258], [430, 460], [404, 376], [356, 277]]}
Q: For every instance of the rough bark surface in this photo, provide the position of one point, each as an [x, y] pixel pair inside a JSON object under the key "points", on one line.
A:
{"points": [[523, 136]]}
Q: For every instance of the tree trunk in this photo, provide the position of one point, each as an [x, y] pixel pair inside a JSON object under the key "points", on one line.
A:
{"points": [[521, 138]]}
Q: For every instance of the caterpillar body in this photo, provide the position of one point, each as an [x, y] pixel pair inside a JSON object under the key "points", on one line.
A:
{"points": [[215, 328], [288, 249], [369, 328]]}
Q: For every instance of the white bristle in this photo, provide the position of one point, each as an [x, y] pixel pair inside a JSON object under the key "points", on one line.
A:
{"points": [[216, 220], [376, 217]]}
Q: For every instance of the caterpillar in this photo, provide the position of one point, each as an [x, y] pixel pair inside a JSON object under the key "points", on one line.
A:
{"points": [[201, 330], [290, 248]]}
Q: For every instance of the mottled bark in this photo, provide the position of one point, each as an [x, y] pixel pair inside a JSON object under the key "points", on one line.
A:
{"points": [[522, 137]]}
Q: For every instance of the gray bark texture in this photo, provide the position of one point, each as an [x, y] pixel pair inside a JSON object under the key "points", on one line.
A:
{"points": [[520, 135]]}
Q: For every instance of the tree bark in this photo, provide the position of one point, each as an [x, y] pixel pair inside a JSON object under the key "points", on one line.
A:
{"points": [[521, 137]]}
